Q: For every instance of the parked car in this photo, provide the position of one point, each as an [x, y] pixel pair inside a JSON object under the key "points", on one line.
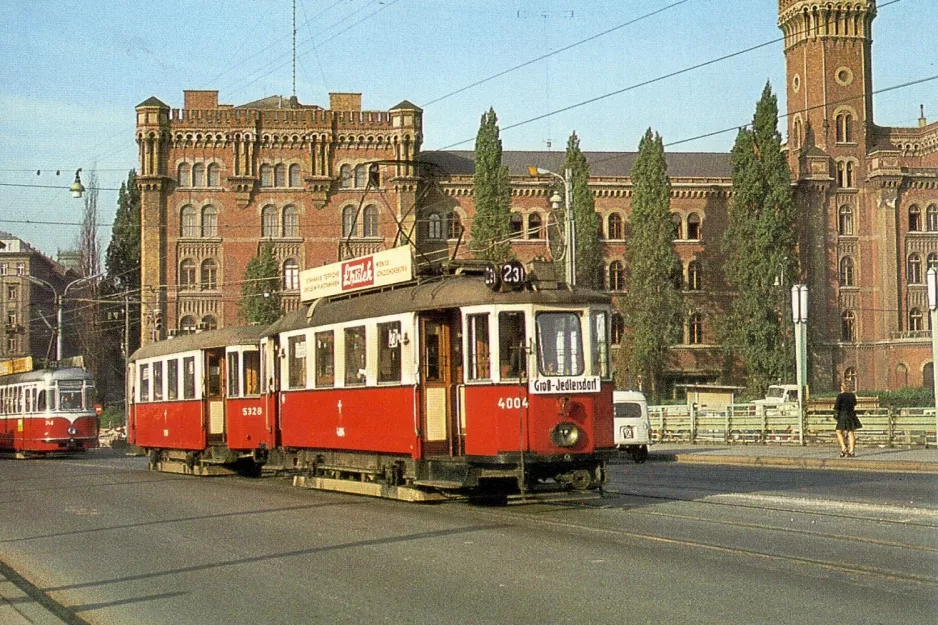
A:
{"points": [[632, 425]]}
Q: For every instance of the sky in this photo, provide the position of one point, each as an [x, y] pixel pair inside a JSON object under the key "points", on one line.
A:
{"points": [[73, 72]]}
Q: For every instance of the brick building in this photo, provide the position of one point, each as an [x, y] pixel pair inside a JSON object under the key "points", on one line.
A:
{"points": [[218, 179]]}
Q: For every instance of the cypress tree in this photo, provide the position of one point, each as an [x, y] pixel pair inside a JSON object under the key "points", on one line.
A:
{"points": [[653, 309], [589, 254], [260, 292], [759, 245], [491, 194]]}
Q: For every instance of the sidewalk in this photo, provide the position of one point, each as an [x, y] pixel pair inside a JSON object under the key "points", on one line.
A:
{"points": [[873, 458]]}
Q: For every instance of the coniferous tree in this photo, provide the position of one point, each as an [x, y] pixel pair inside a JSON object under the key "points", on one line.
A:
{"points": [[759, 245], [654, 309], [589, 254], [260, 292], [491, 192]]}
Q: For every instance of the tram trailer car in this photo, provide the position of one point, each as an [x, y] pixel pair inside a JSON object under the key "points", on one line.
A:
{"points": [[445, 385], [195, 403], [48, 411]]}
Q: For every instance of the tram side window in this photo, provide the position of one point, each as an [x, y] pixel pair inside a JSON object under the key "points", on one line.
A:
{"points": [[251, 365], [389, 352], [188, 377], [29, 400], [511, 344], [600, 341], [355, 356], [144, 384], [297, 361], [158, 381], [234, 368], [325, 358], [479, 358], [89, 396], [559, 344], [41, 401], [172, 379]]}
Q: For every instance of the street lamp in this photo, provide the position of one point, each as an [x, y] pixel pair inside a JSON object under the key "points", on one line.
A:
{"points": [[799, 314], [570, 232], [931, 281], [77, 187]]}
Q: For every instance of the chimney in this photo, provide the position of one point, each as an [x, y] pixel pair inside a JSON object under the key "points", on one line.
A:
{"points": [[200, 100], [345, 101], [922, 122]]}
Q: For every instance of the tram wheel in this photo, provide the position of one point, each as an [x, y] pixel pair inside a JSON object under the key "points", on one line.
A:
{"points": [[581, 479]]}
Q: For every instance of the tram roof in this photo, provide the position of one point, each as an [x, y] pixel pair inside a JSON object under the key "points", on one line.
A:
{"points": [[442, 293], [224, 337], [68, 373]]}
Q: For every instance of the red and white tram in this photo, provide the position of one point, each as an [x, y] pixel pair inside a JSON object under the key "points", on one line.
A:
{"points": [[49, 410], [441, 385]]}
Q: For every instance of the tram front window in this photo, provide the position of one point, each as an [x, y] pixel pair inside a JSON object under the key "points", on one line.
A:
{"points": [[69, 398], [559, 344]]}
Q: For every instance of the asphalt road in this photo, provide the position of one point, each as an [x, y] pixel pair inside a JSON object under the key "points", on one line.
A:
{"points": [[674, 543]]}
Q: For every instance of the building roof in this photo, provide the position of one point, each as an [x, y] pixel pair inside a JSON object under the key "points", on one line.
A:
{"points": [[276, 102], [602, 164], [152, 101], [406, 105]]}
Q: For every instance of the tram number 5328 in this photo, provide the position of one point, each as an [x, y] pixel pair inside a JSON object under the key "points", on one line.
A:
{"points": [[252, 411], [512, 403]]}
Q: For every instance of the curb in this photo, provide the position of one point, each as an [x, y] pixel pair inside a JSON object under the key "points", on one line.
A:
{"points": [[839, 464]]}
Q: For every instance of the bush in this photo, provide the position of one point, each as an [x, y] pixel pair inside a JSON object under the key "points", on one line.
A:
{"points": [[906, 398], [111, 417]]}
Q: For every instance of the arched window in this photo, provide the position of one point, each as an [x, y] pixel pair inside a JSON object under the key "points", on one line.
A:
{"points": [[850, 175], [209, 222], [798, 133], [294, 175], [915, 269], [678, 226], [693, 227], [269, 222], [348, 222], [213, 177], [616, 276], [931, 218], [370, 221], [187, 222], [516, 226], [847, 277], [850, 377], [361, 171], [617, 328], [902, 376], [183, 177], [915, 320], [291, 221], [345, 176], [931, 262], [187, 274], [208, 323], [267, 176], [928, 376], [280, 175], [187, 325], [694, 276], [434, 227], [915, 218], [844, 122], [198, 175], [848, 326], [695, 329], [291, 275], [614, 229], [534, 226], [845, 221], [455, 225], [209, 277], [677, 276]]}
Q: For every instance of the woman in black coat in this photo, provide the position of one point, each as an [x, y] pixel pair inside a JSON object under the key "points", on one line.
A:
{"points": [[845, 410]]}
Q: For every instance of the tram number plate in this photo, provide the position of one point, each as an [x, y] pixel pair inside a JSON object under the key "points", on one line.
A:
{"points": [[512, 403], [252, 411]]}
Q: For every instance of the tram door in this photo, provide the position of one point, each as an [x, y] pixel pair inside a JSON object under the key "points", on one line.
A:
{"points": [[438, 374], [214, 395]]}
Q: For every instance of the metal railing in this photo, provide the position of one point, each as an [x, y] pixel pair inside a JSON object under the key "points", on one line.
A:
{"points": [[752, 424]]}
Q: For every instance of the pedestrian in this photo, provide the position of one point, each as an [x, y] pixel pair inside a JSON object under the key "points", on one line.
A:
{"points": [[845, 411]]}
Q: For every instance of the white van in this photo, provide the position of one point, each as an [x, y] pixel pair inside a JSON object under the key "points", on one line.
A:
{"points": [[779, 394], [632, 425]]}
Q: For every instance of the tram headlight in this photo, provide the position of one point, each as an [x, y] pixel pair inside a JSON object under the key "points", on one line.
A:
{"points": [[72, 430], [565, 434]]}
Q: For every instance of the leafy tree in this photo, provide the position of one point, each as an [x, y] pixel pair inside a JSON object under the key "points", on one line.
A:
{"points": [[260, 292], [653, 309], [759, 245], [589, 253], [491, 224]]}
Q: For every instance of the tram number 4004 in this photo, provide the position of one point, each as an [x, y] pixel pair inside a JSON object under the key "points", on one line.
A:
{"points": [[512, 403]]}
